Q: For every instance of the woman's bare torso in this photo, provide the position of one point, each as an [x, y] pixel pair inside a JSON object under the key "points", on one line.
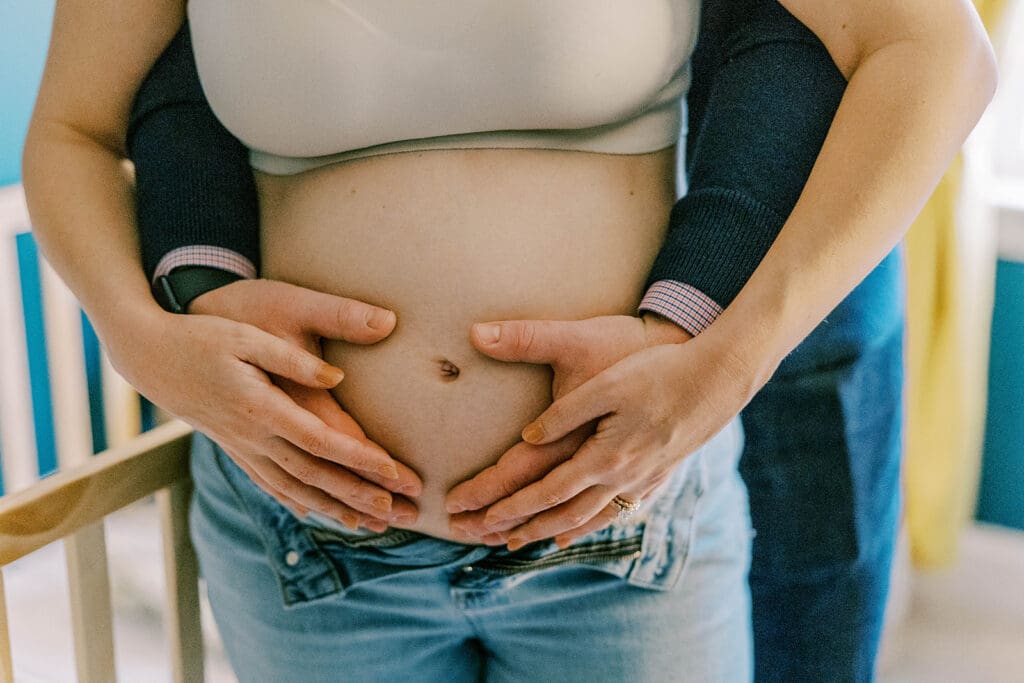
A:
{"points": [[446, 238]]}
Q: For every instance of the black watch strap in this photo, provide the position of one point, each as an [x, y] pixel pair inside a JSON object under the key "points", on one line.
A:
{"points": [[175, 290]]}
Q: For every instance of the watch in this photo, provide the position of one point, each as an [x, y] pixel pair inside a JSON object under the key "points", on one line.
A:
{"points": [[176, 290]]}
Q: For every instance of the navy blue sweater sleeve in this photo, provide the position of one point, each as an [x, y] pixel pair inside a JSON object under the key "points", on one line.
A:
{"points": [[763, 96], [193, 183]]}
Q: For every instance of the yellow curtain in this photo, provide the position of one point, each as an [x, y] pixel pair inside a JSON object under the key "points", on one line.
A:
{"points": [[947, 364]]}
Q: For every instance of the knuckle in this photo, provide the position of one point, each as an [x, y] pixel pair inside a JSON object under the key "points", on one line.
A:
{"points": [[366, 492], [305, 472], [521, 337], [508, 487], [313, 441], [294, 364], [576, 518], [299, 468], [527, 337], [550, 499], [348, 314], [611, 461], [282, 483], [552, 416]]}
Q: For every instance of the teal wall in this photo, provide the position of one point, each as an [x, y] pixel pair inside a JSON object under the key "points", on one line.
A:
{"points": [[24, 35], [1001, 491]]}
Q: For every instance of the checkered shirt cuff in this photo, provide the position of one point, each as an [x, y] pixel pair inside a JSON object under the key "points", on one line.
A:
{"points": [[205, 255], [683, 304]]}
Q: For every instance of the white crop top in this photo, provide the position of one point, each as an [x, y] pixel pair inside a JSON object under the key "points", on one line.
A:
{"points": [[303, 83]]}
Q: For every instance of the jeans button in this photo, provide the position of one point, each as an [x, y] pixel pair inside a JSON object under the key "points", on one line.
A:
{"points": [[468, 569], [291, 558]]}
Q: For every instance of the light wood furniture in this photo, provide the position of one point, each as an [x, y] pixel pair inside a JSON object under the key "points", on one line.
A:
{"points": [[71, 505]]}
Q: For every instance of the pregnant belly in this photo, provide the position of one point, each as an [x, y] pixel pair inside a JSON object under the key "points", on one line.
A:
{"points": [[446, 238]]}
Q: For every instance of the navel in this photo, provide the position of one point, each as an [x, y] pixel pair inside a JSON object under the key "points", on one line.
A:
{"points": [[449, 370]]}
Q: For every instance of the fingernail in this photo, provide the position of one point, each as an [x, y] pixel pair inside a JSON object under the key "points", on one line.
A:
{"points": [[491, 522], [350, 520], [382, 504], [379, 318], [516, 542], [533, 433], [489, 334], [376, 525], [404, 518], [329, 375], [388, 471], [410, 490], [453, 508]]}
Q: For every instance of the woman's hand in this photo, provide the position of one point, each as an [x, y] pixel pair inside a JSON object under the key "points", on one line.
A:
{"points": [[244, 368], [627, 378]]}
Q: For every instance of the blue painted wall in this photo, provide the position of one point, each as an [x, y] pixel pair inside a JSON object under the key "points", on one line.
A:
{"points": [[1001, 490], [24, 36]]}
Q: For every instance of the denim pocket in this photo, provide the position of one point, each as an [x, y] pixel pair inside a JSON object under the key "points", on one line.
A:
{"points": [[669, 529], [303, 570]]}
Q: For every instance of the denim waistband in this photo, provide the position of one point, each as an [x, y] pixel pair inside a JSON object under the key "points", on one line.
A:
{"points": [[313, 561]]}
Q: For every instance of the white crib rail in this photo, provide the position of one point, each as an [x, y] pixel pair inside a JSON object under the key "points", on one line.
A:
{"points": [[85, 546], [17, 426]]}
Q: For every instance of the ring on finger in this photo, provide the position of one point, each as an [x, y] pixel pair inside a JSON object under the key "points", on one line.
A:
{"points": [[624, 506]]}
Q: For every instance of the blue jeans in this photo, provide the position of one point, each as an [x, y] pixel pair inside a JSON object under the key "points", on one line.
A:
{"points": [[658, 597], [822, 464]]}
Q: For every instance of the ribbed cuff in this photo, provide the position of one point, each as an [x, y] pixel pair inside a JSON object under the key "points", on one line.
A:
{"points": [[684, 305], [205, 255], [715, 240]]}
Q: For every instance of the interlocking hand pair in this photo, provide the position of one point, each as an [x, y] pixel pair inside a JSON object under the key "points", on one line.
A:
{"points": [[630, 402]]}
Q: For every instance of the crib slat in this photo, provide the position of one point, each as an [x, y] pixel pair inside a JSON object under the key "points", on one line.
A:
{"points": [[121, 410], [182, 575], [92, 620], [6, 664], [69, 390], [17, 433]]}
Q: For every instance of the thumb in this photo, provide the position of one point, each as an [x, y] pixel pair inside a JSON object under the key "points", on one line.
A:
{"points": [[528, 341], [338, 317]]}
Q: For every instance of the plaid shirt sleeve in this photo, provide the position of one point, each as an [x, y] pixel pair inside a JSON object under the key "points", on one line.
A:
{"points": [[681, 303]]}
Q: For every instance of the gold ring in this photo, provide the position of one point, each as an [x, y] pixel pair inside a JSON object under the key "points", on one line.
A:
{"points": [[625, 506]]}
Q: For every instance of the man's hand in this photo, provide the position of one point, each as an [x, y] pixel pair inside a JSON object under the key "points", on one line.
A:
{"points": [[294, 476], [576, 350]]}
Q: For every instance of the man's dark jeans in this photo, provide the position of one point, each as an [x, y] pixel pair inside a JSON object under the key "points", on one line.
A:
{"points": [[822, 466]]}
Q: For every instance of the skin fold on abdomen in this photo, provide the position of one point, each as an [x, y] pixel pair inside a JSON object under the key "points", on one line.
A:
{"points": [[446, 238]]}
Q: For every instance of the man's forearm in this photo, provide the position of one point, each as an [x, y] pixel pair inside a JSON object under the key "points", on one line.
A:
{"points": [[763, 95]]}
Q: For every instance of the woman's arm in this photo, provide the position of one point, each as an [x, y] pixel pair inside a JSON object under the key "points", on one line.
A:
{"points": [[920, 75], [201, 368]]}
